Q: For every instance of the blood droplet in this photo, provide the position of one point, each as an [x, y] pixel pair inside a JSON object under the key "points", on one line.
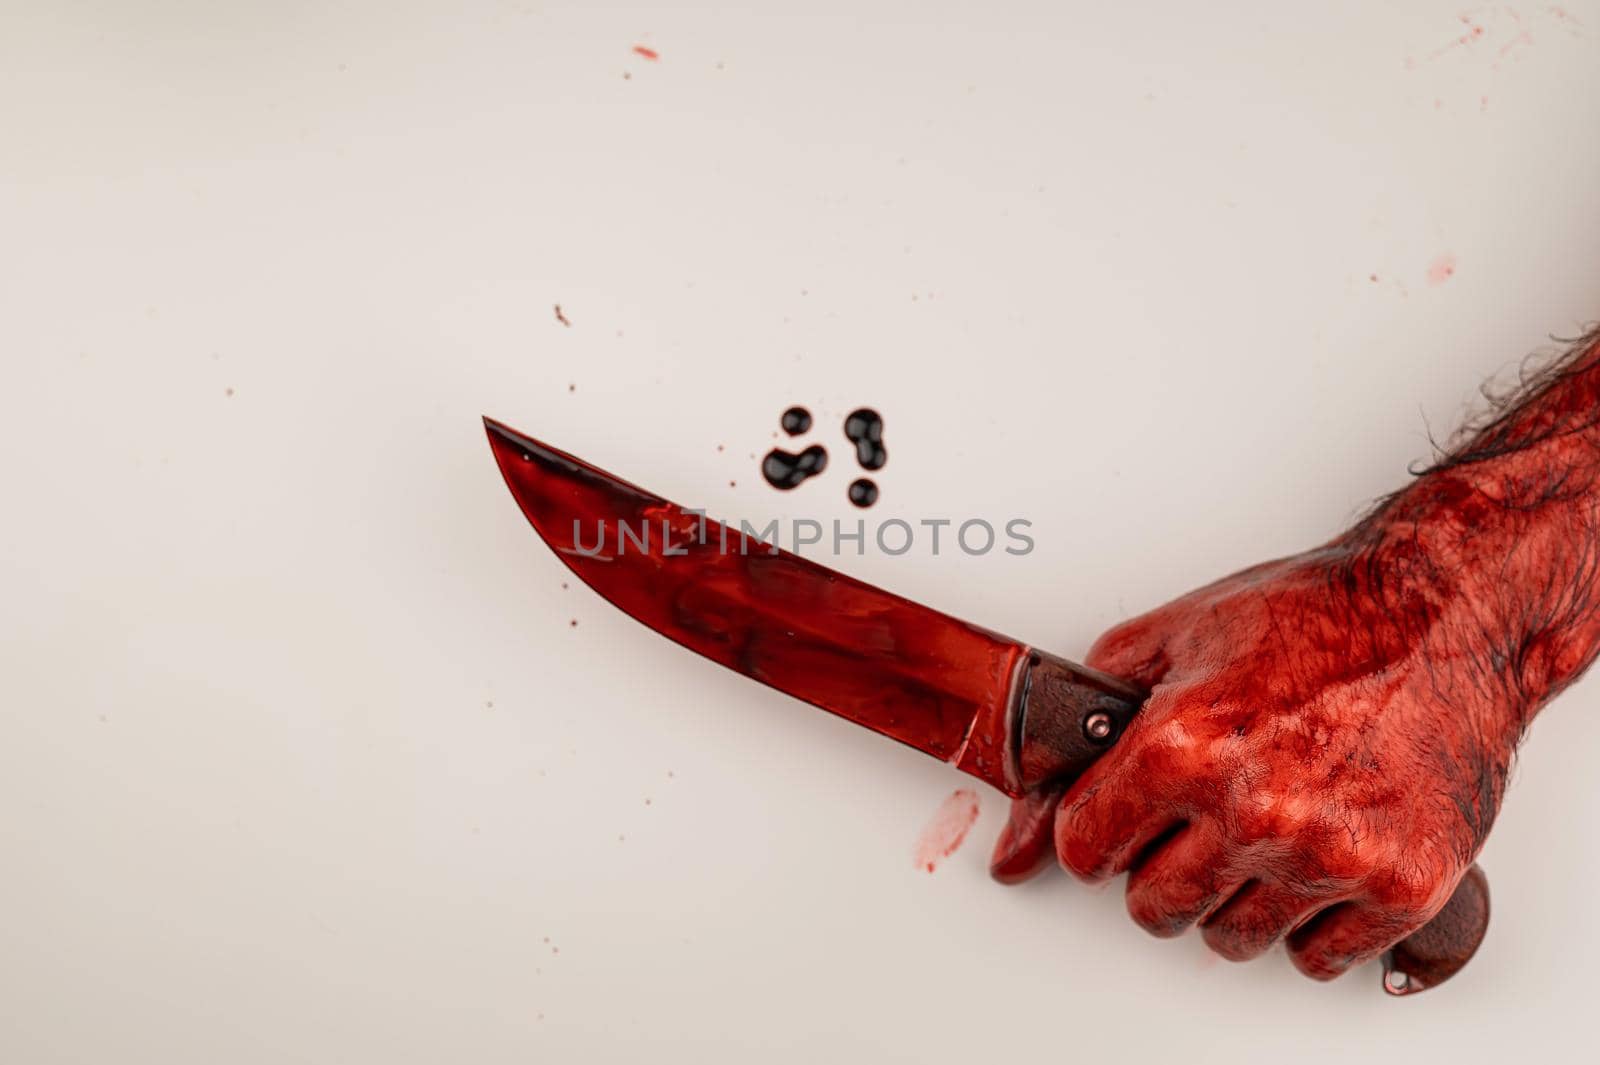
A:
{"points": [[785, 470], [863, 493], [864, 429], [796, 420]]}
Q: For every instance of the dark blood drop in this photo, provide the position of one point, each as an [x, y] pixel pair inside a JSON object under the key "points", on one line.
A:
{"points": [[785, 470], [864, 429], [796, 420], [863, 493]]}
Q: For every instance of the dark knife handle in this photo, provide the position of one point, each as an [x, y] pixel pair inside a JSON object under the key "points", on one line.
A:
{"points": [[1066, 716]]}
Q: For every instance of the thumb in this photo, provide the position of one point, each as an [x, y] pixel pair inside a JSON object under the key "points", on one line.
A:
{"points": [[1027, 842], [1135, 650]]}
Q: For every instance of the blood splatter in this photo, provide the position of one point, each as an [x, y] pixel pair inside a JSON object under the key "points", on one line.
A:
{"points": [[864, 429], [1442, 269], [649, 53], [562, 318], [947, 829], [784, 470], [863, 493], [796, 420]]}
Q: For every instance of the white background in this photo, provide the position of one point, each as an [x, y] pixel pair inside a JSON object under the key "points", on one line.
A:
{"points": [[300, 756]]}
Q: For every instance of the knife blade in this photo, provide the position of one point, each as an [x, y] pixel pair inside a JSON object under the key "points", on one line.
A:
{"points": [[948, 688]]}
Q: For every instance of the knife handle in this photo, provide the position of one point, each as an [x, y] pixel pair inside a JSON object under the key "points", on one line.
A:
{"points": [[1066, 716]]}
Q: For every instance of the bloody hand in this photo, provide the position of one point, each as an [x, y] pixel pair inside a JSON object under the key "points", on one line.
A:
{"points": [[1292, 761], [1327, 737]]}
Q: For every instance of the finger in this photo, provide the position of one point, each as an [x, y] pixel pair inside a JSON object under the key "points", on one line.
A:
{"points": [[1181, 881], [1134, 650], [1257, 916], [1100, 837], [1135, 792], [1344, 936], [1023, 848]]}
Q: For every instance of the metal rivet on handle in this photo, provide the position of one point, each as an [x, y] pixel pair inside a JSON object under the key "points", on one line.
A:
{"points": [[1097, 726]]}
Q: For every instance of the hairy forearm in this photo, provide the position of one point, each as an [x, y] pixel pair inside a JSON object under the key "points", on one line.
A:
{"points": [[1501, 544]]}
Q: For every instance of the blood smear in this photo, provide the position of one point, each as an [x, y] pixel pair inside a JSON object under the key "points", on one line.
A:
{"points": [[648, 53], [948, 829], [1442, 270]]}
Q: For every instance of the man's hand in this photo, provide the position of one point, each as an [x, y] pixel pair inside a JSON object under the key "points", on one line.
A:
{"points": [[1327, 737], [1293, 762]]}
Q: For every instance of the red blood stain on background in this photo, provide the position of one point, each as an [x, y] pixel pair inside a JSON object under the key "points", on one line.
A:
{"points": [[648, 53], [1442, 270], [947, 829]]}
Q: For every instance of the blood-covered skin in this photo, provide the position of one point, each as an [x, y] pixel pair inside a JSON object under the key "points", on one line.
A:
{"points": [[1328, 736]]}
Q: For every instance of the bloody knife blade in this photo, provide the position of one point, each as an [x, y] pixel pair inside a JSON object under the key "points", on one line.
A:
{"points": [[952, 690], [1009, 714]]}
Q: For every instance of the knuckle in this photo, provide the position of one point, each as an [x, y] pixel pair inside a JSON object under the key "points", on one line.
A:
{"points": [[1272, 814], [1170, 730], [1408, 893], [1339, 856], [1252, 823], [1167, 753], [1327, 862]]}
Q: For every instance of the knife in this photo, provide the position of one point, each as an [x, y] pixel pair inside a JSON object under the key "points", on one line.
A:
{"points": [[1014, 716]]}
